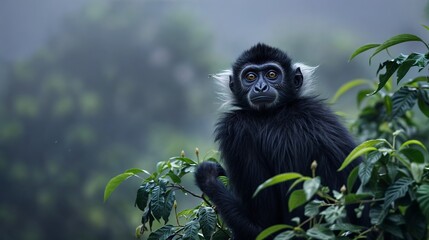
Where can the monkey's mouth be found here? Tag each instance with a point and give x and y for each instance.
(264, 99)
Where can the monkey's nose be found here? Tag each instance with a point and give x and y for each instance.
(261, 87)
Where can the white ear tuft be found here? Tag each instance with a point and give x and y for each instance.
(308, 83)
(224, 92)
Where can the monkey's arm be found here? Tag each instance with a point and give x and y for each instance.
(230, 208)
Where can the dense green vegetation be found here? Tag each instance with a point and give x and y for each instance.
(394, 176)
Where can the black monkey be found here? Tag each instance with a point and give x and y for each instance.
(275, 126)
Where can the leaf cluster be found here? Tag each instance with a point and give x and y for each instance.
(393, 96)
(156, 198)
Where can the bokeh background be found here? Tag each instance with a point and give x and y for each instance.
(90, 88)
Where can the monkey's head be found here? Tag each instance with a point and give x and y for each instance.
(264, 77)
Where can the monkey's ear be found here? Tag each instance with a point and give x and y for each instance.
(231, 83)
(298, 78)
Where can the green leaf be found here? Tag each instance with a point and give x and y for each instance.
(312, 208)
(347, 86)
(362, 94)
(296, 199)
(187, 213)
(423, 93)
(346, 227)
(174, 177)
(424, 107)
(161, 166)
(139, 231)
(374, 157)
(403, 159)
(403, 100)
(421, 60)
(412, 60)
(397, 190)
(296, 220)
(277, 179)
(207, 218)
(355, 154)
(310, 187)
(413, 155)
(417, 171)
(148, 217)
(409, 142)
(271, 230)
(162, 234)
(365, 171)
(391, 66)
(423, 101)
(114, 183)
(185, 160)
(403, 69)
(401, 38)
(285, 235)
(392, 170)
(362, 49)
(333, 213)
(366, 166)
(363, 148)
(423, 199)
(355, 198)
(388, 104)
(351, 179)
(169, 202)
(426, 27)
(419, 79)
(337, 195)
(186, 170)
(296, 182)
(190, 231)
(137, 170)
(320, 232)
(143, 196)
(157, 202)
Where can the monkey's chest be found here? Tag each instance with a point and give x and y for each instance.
(276, 147)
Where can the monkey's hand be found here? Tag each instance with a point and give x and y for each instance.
(206, 177)
(234, 213)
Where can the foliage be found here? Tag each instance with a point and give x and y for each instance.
(393, 177)
(156, 199)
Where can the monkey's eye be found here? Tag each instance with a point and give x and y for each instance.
(271, 75)
(251, 76)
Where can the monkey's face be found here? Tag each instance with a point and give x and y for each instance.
(264, 77)
(267, 85)
(261, 83)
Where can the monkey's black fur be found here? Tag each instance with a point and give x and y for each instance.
(257, 144)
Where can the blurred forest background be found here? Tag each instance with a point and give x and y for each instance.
(90, 88)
